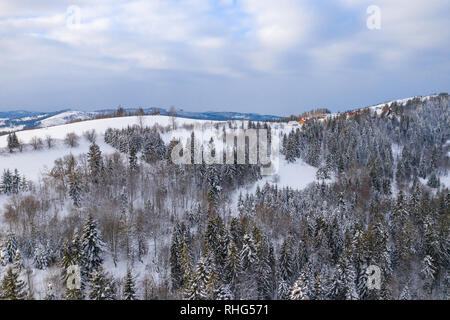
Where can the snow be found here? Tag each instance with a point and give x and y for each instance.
(445, 180)
(62, 118)
(15, 128)
(32, 163)
(99, 125)
(297, 175)
(378, 109)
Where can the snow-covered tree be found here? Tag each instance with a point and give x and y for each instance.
(129, 289)
(12, 287)
(91, 246)
(101, 286)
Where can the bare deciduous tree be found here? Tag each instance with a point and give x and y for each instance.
(36, 143)
(49, 141)
(90, 135)
(71, 140)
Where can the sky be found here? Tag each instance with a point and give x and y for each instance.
(277, 57)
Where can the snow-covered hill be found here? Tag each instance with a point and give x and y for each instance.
(65, 117)
(33, 162)
(284, 210)
(378, 109)
(19, 120)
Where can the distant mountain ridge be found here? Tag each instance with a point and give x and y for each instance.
(21, 119)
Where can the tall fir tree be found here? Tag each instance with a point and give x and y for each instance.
(129, 289)
(91, 247)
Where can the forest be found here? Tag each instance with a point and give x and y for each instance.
(140, 227)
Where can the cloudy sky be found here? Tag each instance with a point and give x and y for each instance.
(266, 56)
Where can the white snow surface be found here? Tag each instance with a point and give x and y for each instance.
(62, 118)
(100, 126)
(32, 163)
(297, 175)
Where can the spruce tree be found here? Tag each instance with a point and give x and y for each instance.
(12, 287)
(91, 246)
(9, 248)
(298, 291)
(75, 189)
(40, 257)
(129, 290)
(101, 285)
(196, 286)
(95, 162)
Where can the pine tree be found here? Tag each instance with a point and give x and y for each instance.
(433, 181)
(343, 285)
(248, 255)
(298, 291)
(176, 269)
(264, 270)
(50, 294)
(232, 267)
(13, 142)
(196, 287)
(95, 162)
(428, 271)
(249, 262)
(241, 207)
(286, 267)
(91, 246)
(405, 294)
(18, 263)
(71, 253)
(319, 289)
(6, 183)
(186, 260)
(224, 293)
(129, 290)
(12, 288)
(132, 160)
(72, 256)
(101, 286)
(41, 260)
(214, 187)
(75, 189)
(283, 290)
(9, 249)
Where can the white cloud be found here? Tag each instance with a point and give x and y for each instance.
(277, 27)
(229, 38)
(279, 24)
(409, 29)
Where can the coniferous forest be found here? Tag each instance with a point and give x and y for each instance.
(140, 227)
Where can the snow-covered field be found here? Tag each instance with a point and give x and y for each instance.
(295, 175)
(99, 125)
(32, 163)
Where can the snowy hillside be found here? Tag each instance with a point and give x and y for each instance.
(44, 159)
(65, 117)
(35, 164)
(19, 120)
(119, 204)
